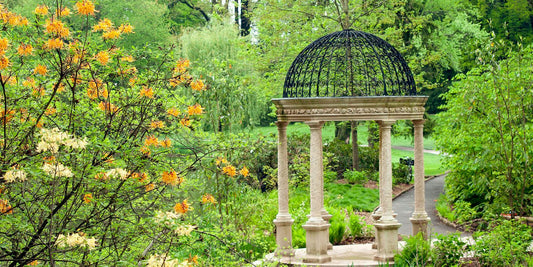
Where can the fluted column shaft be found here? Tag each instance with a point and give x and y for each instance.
(316, 175)
(419, 219)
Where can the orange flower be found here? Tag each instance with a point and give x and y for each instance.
(57, 27)
(50, 111)
(6, 117)
(173, 112)
(63, 12)
(149, 187)
(197, 85)
(145, 150)
(4, 62)
(229, 170)
(192, 259)
(171, 178)
(87, 198)
(25, 50)
(208, 198)
(85, 7)
(40, 69)
(126, 28)
(182, 65)
(102, 57)
(29, 82)
(54, 44)
(165, 143)
(101, 176)
(132, 81)
(185, 122)
(34, 263)
(127, 59)
(113, 34)
(151, 141)
(220, 160)
(107, 107)
(182, 208)
(5, 208)
(103, 25)
(244, 171)
(41, 10)
(194, 110)
(4, 44)
(147, 92)
(39, 91)
(157, 124)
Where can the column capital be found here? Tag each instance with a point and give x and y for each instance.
(386, 123)
(315, 124)
(418, 123)
(282, 124)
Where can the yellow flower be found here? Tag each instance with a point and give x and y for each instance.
(34, 263)
(29, 82)
(194, 110)
(25, 50)
(244, 171)
(41, 10)
(229, 170)
(126, 28)
(145, 150)
(87, 198)
(147, 92)
(173, 112)
(197, 85)
(182, 65)
(208, 198)
(85, 7)
(113, 34)
(171, 178)
(54, 44)
(40, 69)
(103, 25)
(157, 124)
(182, 208)
(132, 81)
(4, 62)
(107, 107)
(39, 91)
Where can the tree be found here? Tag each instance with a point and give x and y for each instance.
(86, 140)
(486, 130)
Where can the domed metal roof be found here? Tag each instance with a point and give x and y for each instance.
(349, 63)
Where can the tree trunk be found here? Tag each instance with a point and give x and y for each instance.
(373, 133)
(355, 147)
(342, 131)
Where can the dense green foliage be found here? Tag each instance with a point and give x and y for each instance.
(486, 130)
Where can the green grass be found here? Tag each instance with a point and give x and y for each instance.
(355, 196)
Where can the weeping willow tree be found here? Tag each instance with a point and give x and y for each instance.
(217, 54)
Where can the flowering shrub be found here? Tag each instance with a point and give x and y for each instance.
(88, 142)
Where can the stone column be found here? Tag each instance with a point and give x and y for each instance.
(420, 218)
(387, 226)
(283, 220)
(317, 230)
(379, 211)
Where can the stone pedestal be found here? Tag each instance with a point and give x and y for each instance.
(284, 236)
(317, 231)
(387, 237)
(420, 225)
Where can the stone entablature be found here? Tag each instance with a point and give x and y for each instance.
(350, 108)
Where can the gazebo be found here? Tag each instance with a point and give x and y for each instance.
(348, 76)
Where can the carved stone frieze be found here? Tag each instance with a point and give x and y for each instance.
(354, 111)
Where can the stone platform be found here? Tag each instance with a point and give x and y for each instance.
(349, 255)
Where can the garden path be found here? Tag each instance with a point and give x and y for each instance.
(404, 206)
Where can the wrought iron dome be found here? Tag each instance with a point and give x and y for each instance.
(349, 63)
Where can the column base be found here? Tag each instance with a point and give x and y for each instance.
(316, 240)
(284, 236)
(419, 223)
(387, 239)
